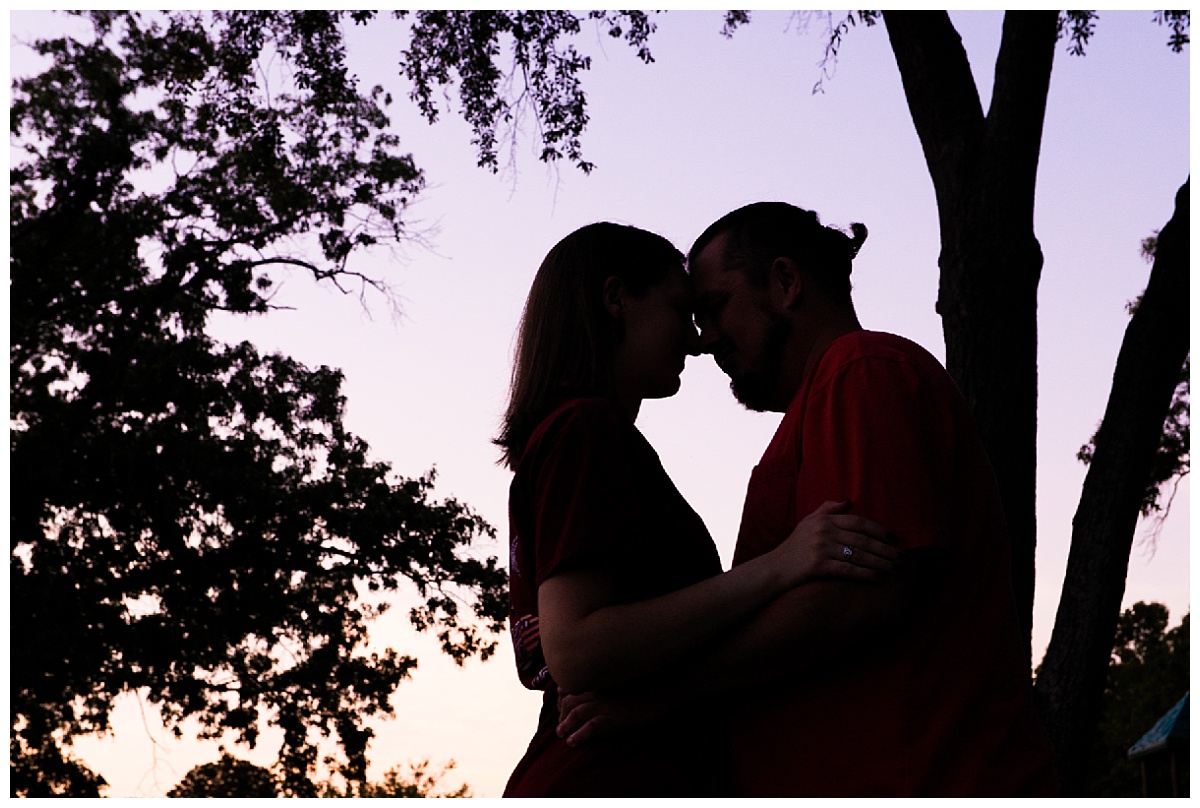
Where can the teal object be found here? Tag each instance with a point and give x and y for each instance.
(1171, 732)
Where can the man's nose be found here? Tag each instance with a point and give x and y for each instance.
(707, 340)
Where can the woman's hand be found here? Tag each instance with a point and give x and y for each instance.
(829, 543)
(584, 716)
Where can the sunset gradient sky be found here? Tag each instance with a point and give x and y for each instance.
(712, 125)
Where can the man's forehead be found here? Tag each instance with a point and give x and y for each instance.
(708, 268)
(710, 271)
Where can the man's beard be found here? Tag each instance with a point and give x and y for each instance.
(755, 388)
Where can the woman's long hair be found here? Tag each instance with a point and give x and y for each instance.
(566, 340)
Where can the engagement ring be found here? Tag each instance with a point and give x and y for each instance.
(847, 552)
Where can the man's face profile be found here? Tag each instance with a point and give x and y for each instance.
(738, 326)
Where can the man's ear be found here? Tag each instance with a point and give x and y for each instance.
(785, 282)
(614, 297)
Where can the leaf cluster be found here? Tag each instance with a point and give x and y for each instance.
(224, 778)
(191, 520)
(544, 77)
(1077, 28)
(1180, 23)
(1173, 458)
(49, 772)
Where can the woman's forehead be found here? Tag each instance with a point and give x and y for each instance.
(677, 283)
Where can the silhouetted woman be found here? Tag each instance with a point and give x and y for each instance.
(612, 575)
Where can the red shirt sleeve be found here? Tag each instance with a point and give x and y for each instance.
(580, 491)
(873, 433)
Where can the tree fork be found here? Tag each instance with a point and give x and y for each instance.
(1071, 684)
(984, 171)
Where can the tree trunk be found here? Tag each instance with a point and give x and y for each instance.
(1070, 686)
(984, 171)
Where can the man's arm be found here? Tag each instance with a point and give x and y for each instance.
(877, 429)
(807, 628)
(811, 626)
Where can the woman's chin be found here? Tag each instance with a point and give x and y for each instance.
(668, 389)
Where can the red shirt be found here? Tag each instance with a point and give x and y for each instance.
(590, 492)
(944, 706)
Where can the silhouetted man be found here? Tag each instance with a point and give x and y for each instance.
(917, 686)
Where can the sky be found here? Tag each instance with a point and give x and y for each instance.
(711, 125)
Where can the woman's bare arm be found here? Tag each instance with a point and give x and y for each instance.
(590, 643)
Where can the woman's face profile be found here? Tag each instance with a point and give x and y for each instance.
(658, 336)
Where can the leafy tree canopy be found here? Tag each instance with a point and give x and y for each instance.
(191, 520)
(232, 777)
(227, 777)
(548, 67)
(1148, 674)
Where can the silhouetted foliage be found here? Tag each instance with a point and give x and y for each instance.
(1173, 460)
(191, 520)
(231, 777)
(1078, 27)
(418, 781)
(47, 772)
(227, 777)
(1148, 674)
(1180, 23)
(546, 70)
(733, 21)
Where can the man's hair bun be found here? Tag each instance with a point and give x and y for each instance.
(859, 231)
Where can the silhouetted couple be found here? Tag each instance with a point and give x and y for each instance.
(865, 642)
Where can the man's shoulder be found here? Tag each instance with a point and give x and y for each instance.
(877, 345)
(876, 369)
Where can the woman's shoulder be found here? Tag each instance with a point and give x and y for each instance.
(591, 407)
(581, 414)
(591, 432)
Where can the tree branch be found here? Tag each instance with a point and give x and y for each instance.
(1013, 137)
(1071, 685)
(941, 96)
